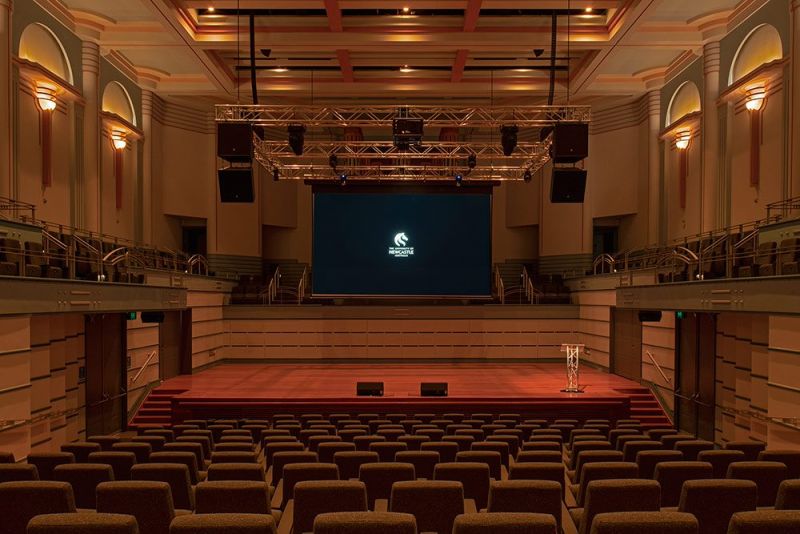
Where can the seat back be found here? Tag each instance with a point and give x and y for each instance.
(271, 449)
(505, 523)
(387, 449)
(349, 463)
(312, 498)
(83, 523)
(714, 501)
(632, 448)
(765, 522)
(647, 460)
(46, 462)
(720, 460)
(526, 496)
(539, 456)
(295, 473)
(176, 475)
(499, 447)
(649, 522)
(18, 473)
(121, 462)
(751, 449)
(21, 501)
(233, 471)
(691, 448)
(620, 495)
(282, 459)
(447, 450)
(474, 477)
(672, 475)
(767, 475)
(84, 479)
(379, 478)
(232, 497)
(223, 523)
(789, 457)
(176, 457)
(140, 450)
(434, 503)
(325, 451)
(591, 457)
(538, 471)
(604, 471)
(237, 457)
(365, 523)
(423, 461)
(81, 450)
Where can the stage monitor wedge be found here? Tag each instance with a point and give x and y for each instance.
(235, 142)
(369, 389)
(433, 389)
(570, 142)
(568, 185)
(236, 184)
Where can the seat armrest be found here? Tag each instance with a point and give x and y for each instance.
(287, 519)
(381, 505)
(470, 507)
(567, 524)
(277, 497)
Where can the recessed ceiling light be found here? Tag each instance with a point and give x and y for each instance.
(406, 9)
(588, 10)
(210, 9)
(280, 69)
(406, 68)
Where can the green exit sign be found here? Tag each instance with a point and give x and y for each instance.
(679, 315)
(131, 316)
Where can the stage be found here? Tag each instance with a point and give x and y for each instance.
(531, 389)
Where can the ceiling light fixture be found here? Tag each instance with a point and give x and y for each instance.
(406, 69)
(280, 69)
(406, 9)
(588, 10)
(682, 140)
(46, 96)
(210, 9)
(755, 98)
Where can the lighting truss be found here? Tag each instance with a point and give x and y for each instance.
(382, 160)
(433, 116)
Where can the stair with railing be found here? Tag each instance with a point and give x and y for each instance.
(156, 410)
(646, 408)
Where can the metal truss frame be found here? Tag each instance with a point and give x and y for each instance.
(435, 116)
(381, 160)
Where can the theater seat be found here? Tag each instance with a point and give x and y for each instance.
(526, 496)
(18, 473)
(765, 522)
(312, 498)
(223, 524)
(714, 501)
(83, 523)
(379, 478)
(434, 503)
(621, 495)
(505, 523)
(21, 501)
(84, 479)
(645, 522)
(365, 523)
(149, 502)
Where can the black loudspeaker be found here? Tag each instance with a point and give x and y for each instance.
(236, 184)
(433, 389)
(649, 316)
(235, 141)
(570, 142)
(369, 389)
(568, 185)
(152, 317)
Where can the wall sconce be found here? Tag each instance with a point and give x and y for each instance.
(682, 140)
(46, 96)
(118, 139)
(755, 98)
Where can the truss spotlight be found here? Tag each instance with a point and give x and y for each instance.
(508, 138)
(527, 175)
(472, 161)
(343, 179)
(297, 138)
(538, 52)
(276, 174)
(333, 161)
(459, 179)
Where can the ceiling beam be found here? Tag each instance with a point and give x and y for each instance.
(334, 15)
(345, 64)
(471, 14)
(458, 65)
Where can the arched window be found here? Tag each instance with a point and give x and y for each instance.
(116, 100)
(39, 44)
(762, 45)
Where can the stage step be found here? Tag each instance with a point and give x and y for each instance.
(156, 409)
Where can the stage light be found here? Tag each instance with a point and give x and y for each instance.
(333, 161)
(755, 98)
(508, 138)
(297, 138)
(527, 176)
(343, 179)
(472, 161)
(46, 96)
(682, 140)
(459, 179)
(118, 139)
(276, 174)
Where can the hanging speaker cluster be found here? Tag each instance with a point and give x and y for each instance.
(570, 145)
(235, 147)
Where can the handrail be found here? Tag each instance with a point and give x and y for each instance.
(301, 286)
(53, 239)
(658, 367)
(604, 259)
(113, 252)
(143, 368)
(272, 288)
(199, 260)
(499, 285)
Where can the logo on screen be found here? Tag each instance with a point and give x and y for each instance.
(401, 250)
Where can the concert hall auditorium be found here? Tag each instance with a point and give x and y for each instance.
(400, 267)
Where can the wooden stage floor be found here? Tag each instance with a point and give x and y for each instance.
(250, 390)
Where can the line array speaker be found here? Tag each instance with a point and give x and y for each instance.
(568, 185)
(236, 184)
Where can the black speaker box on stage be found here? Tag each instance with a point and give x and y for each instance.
(236, 184)
(570, 142)
(568, 185)
(152, 317)
(433, 389)
(649, 316)
(369, 389)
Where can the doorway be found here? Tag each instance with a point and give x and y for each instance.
(195, 240)
(106, 347)
(626, 343)
(175, 344)
(696, 335)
